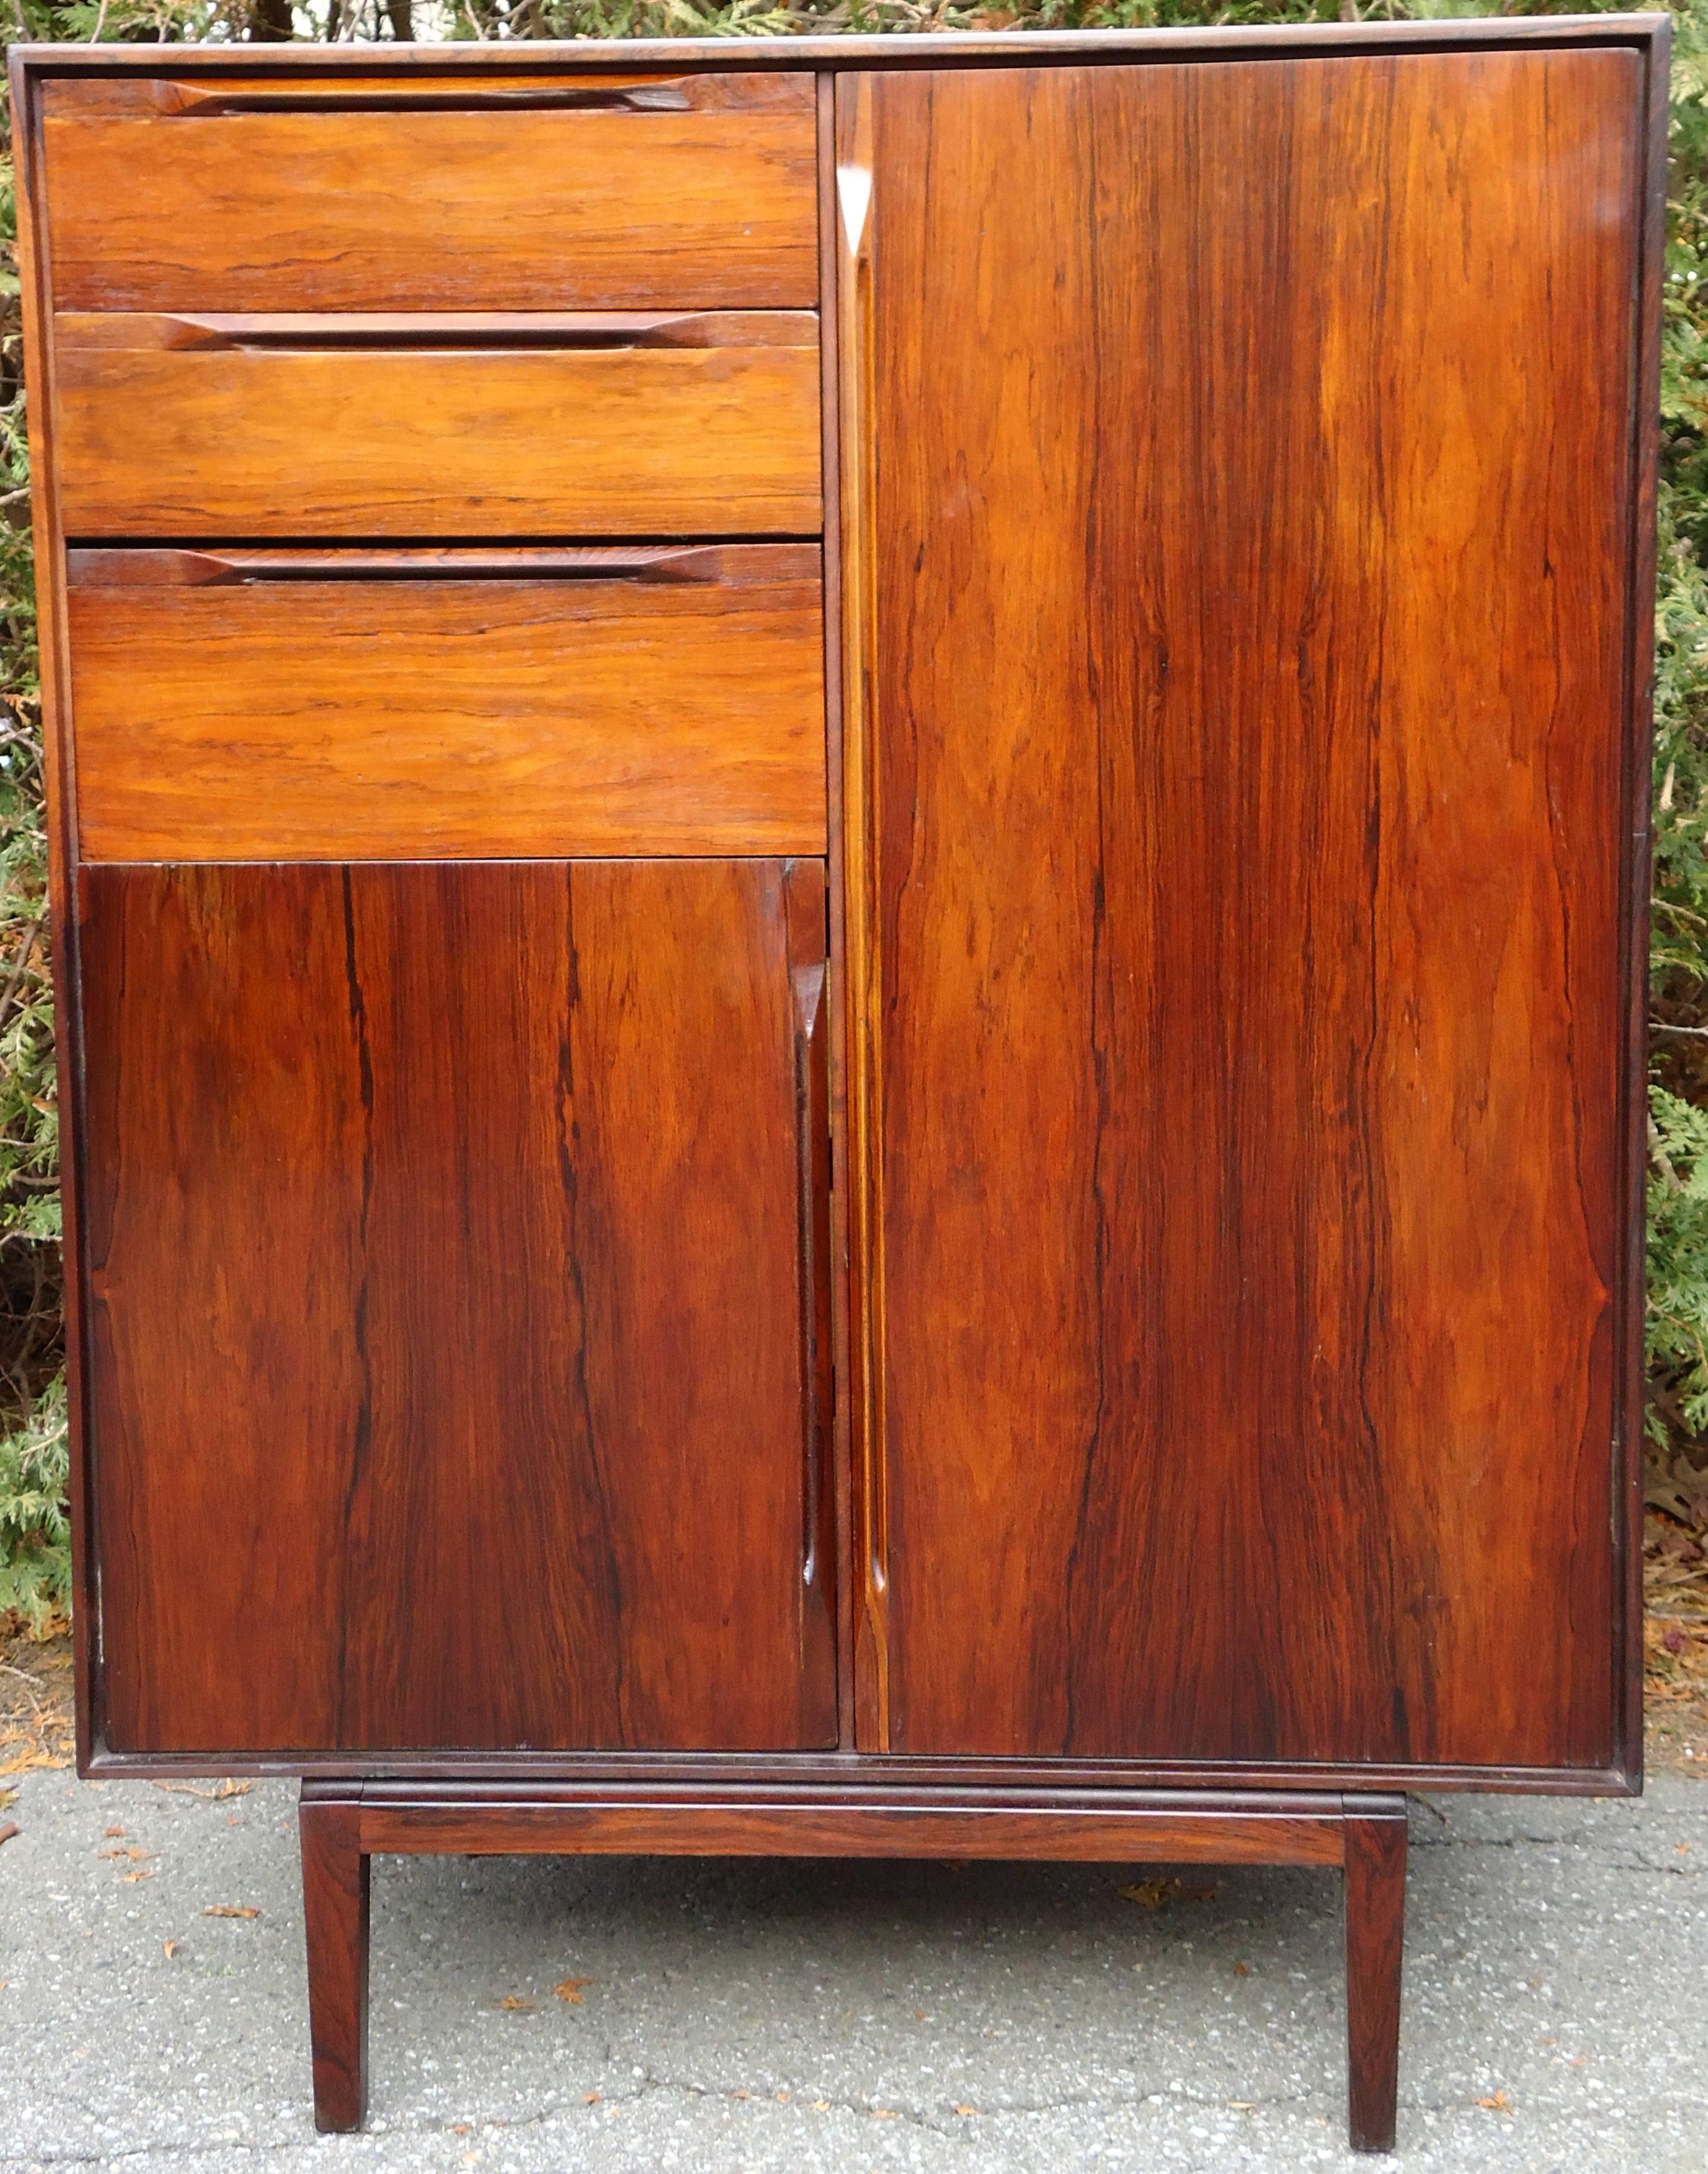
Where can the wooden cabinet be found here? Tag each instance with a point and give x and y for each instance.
(878, 935)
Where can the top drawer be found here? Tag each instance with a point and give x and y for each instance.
(393, 193)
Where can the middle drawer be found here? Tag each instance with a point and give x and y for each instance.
(602, 425)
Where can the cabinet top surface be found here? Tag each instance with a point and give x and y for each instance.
(942, 49)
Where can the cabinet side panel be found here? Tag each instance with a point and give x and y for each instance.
(446, 1320)
(36, 294)
(1251, 558)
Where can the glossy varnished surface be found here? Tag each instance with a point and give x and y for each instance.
(445, 1317)
(1249, 729)
(706, 202)
(327, 426)
(350, 705)
(343, 1822)
(240, 89)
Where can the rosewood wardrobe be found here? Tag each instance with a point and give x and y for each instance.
(850, 871)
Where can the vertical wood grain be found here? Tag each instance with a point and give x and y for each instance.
(852, 181)
(807, 905)
(335, 1907)
(1251, 533)
(444, 1259)
(1374, 1885)
(842, 1294)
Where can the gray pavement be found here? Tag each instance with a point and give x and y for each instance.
(849, 2017)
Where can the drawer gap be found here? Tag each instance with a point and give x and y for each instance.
(173, 566)
(456, 331)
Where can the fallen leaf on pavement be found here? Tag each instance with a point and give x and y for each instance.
(590, 2098)
(134, 1877)
(10, 1829)
(26, 1761)
(570, 1989)
(1157, 1893)
(113, 1834)
(230, 1910)
(513, 2001)
(1496, 2105)
(966, 2109)
(1242, 1970)
(169, 1947)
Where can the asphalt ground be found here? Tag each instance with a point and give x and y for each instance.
(546, 2013)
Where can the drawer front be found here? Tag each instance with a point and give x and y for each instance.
(694, 193)
(358, 705)
(540, 425)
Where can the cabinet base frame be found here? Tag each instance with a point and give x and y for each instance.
(344, 1824)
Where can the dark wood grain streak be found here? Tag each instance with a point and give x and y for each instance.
(336, 1913)
(443, 1271)
(705, 208)
(1250, 698)
(1375, 1885)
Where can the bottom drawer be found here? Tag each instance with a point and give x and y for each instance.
(347, 705)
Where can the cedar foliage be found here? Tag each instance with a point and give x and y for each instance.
(34, 1567)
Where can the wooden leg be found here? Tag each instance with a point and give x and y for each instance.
(1375, 1920)
(335, 1909)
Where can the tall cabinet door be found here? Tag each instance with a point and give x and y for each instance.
(1243, 470)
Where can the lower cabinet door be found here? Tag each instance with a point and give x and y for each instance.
(447, 1301)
